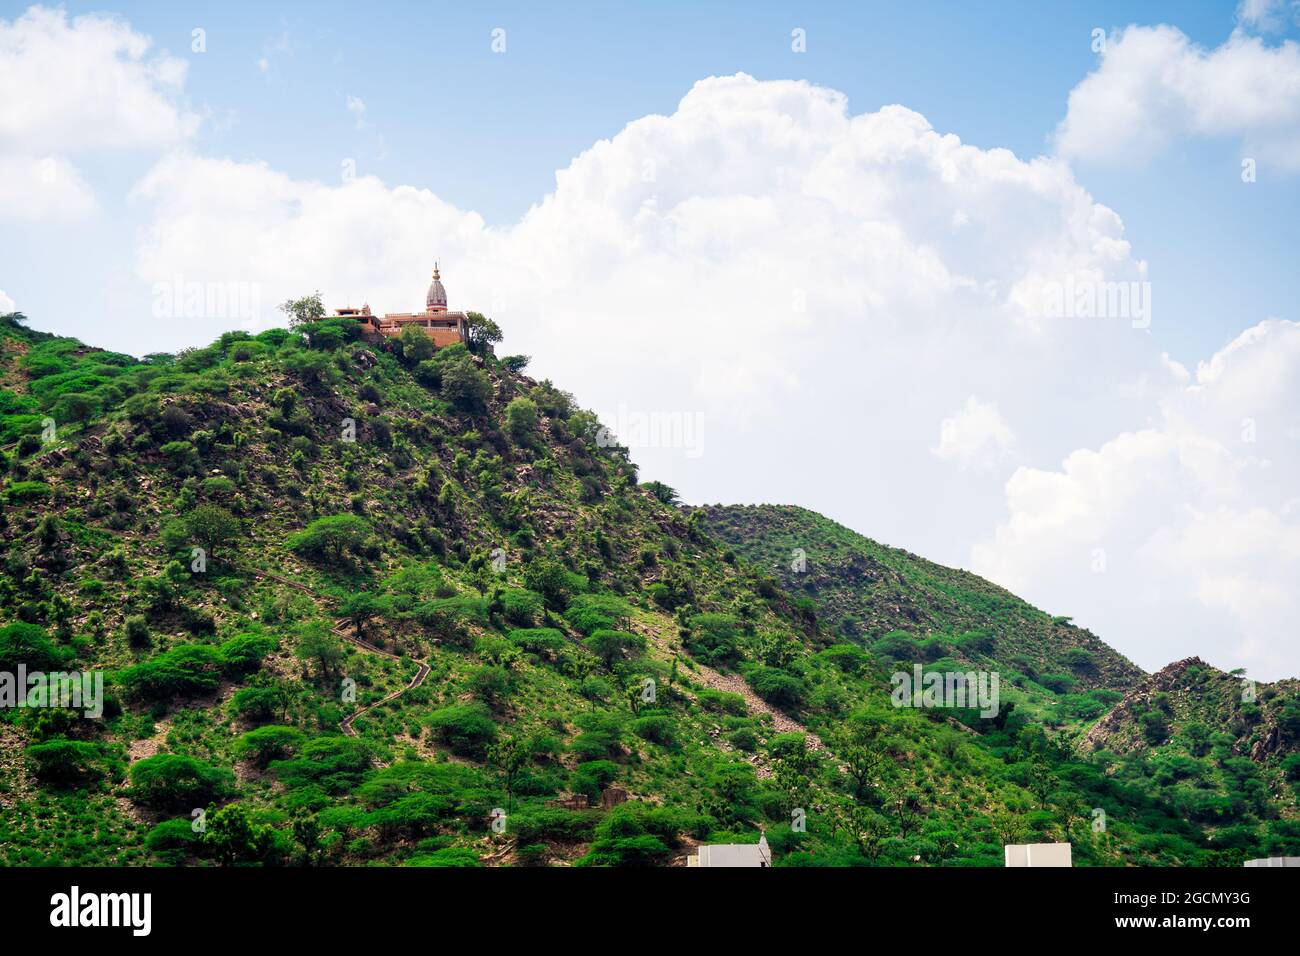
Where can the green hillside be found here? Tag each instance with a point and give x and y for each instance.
(907, 609)
(369, 604)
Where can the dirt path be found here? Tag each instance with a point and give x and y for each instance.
(345, 630)
(734, 684)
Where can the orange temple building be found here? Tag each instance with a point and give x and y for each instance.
(445, 328)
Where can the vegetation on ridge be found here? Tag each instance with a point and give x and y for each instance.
(265, 542)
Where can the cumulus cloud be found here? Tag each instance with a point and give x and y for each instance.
(1154, 85)
(1189, 530)
(6, 303)
(975, 436)
(74, 88)
(1267, 15)
(812, 289)
(85, 84)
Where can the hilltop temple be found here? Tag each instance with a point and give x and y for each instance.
(445, 328)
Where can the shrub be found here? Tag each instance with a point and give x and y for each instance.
(593, 776)
(635, 834)
(450, 856)
(187, 670)
(466, 728)
(174, 782)
(543, 641)
(492, 685)
(331, 538)
(21, 492)
(242, 654)
(1079, 659)
(172, 841)
(335, 764)
(259, 703)
(724, 702)
(415, 344)
(744, 739)
(548, 578)
(28, 644)
(589, 613)
(656, 728)
(521, 419)
(553, 823)
(521, 606)
(1060, 683)
(713, 638)
(613, 647)
(847, 657)
(787, 745)
(269, 743)
(65, 762)
(465, 386)
(601, 737)
(75, 407)
(897, 646)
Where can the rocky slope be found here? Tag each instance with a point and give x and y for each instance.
(359, 604)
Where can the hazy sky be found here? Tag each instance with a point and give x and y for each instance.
(864, 259)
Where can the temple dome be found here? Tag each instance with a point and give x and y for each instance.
(436, 300)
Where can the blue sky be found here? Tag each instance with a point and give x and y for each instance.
(676, 214)
(487, 131)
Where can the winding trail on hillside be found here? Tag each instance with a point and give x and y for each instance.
(344, 629)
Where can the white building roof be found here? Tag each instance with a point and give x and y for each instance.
(736, 854)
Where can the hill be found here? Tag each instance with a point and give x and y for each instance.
(1212, 744)
(905, 608)
(372, 604)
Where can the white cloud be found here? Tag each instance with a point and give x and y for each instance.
(44, 188)
(84, 85)
(6, 304)
(819, 289)
(1154, 85)
(78, 87)
(1196, 521)
(1267, 15)
(975, 436)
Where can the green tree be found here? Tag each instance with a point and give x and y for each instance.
(614, 646)
(466, 387)
(483, 332)
(510, 755)
(521, 419)
(416, 344)
(75, 407)
(210, 527)
(179, 783)
(316, 642)
(861, 748)
(307, 309)
(67, 762)
(331, 538)
(231, 836)
(362, 607)
(265, 744)
(306, 833)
